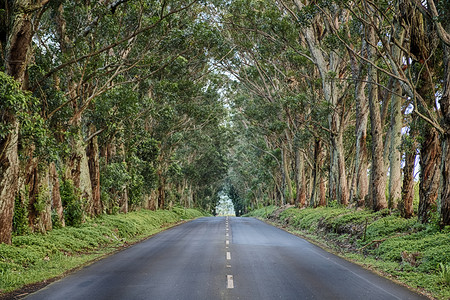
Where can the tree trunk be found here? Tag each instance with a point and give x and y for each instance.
(16, 61)
(445, 194)
(395, 175)
(92, 153)
(322, 193)
(341, 173)
(430, 161)
(378, 178)
(77, 170)
(123, 201)
(361, 166)
(56, 196)
(423, 48)
(316, 176)
(287, 177)
(445, 106)
(9, 171)
(406, 205)
(161, 193)
(34, 187)
(395, 188)
(30, 189)
(300, 182)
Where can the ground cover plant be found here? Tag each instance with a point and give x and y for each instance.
(38, 257)
(405, 250)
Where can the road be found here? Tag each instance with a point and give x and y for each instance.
(223, 258)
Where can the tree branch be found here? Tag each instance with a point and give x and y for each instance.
(123, 40)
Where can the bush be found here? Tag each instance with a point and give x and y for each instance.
(20, 218)
(444, 273)
(71, 201)
(262, 212)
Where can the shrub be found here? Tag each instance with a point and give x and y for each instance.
(444, 273)
(71, 201)
(20, 218)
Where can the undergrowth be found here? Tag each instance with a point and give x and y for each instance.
(37, 257)
(414, 253)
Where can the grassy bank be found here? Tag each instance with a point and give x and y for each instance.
(38, 257)
(404, 250)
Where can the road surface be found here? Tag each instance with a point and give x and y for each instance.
(223, 258)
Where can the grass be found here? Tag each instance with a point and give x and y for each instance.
(38, 257)
(262, 212)
(402, 249)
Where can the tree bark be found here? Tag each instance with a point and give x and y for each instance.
(430, 161)
(361, 165)
(287, 177)
(56, 196)
(406, 205)
(423, 47)
(395, 188)
(395, 175)
(161, 192)
(300, 182)
(17, 52)
(316, 174)
(9, 171)
(322, 192)
(77, 170)
(378, 178)
(445, 106)
(92, 152)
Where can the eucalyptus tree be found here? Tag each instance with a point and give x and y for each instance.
(435, 13)
(17, 30)
(123, 38)
(426, 60)
(412, 63)
(331, 64)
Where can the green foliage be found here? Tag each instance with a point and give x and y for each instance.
(56, 223)
(433, 247)
(264, 212)
(71, 201)
(12, 98)
(149, 149)
(115, 178)
(20, 105)
(20, 218)
(444, 273)
(388, 226)
(42, 199)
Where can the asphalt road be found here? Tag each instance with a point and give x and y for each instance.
(223, 258)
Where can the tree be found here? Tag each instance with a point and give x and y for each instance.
(443, 31)
(15, 39)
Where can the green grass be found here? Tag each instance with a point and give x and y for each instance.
(262, 212)
(402, 249)
(36, 257)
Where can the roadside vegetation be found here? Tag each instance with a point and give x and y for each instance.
(37, 257)
(404, 250)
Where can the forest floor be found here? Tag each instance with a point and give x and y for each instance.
(403, 250)
(35, 260)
